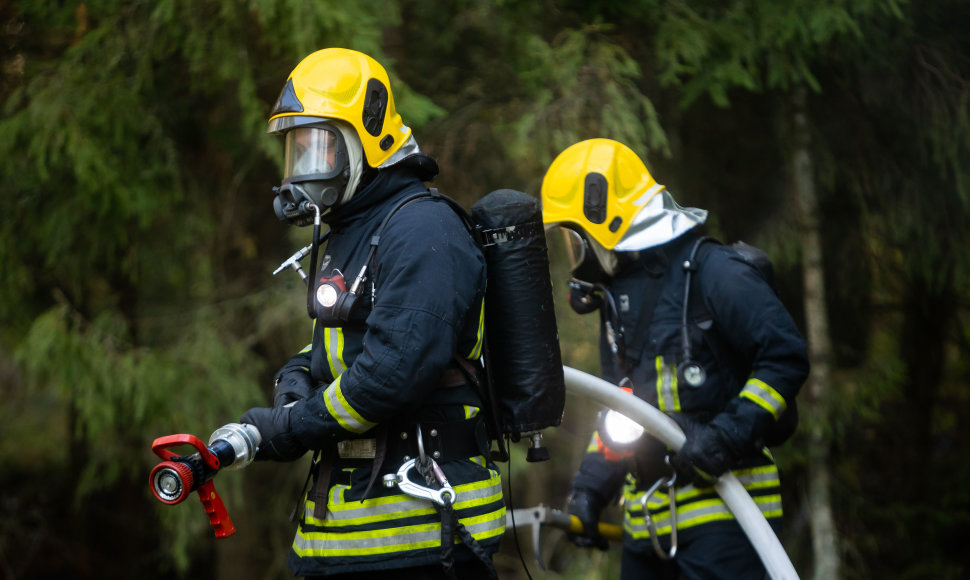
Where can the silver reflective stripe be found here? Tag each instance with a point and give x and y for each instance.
(342, 412)
(699, 512)
(761, 394)
(392, 540)
(339, 538)
(694, 514)
(334, 339)
(758, 477)
(344, 512)
(667, 398)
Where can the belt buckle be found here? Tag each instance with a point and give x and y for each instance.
(357, 449)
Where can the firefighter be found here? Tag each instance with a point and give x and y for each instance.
(396, 342)
(630, 248)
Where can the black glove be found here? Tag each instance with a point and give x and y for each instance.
(706, 453)
(587, 507)
(292, 386)
(278, 442)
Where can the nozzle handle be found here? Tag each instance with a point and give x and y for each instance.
(161, 447)
(216, 510)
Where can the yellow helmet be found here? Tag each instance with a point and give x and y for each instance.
(338, 83)
(598, 185)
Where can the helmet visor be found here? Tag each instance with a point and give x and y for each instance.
(588, 260)
(575, 248)
(313, 153)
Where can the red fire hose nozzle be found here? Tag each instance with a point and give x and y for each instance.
(231, 447)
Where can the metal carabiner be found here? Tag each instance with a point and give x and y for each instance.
(444, 497)
(667, 482)
(421, 455)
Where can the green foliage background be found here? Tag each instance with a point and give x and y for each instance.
(137, 240)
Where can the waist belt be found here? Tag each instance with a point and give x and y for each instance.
(443, 441)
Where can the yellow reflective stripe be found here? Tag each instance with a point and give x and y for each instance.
(334, 340)
(758, 477)
(594, 445)
(698, 512)
(340, 409)
(751, 478)
(759, 393)
(343, 513)
(695, 514)
(477, 349)
(667, 397)
(393, 540)
(308, 347)
(470, 411)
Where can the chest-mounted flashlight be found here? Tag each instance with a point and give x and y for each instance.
(333, 301)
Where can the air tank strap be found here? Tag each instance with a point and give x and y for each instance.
(490, 237)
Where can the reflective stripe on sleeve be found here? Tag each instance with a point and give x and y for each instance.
(334, 339)
(477, 349)
(761, 394)
(667, 397)
(340, 409)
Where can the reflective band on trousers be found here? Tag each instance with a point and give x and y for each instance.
(694, 512)
(354, 528)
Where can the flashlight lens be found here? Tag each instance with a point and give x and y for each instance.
(621, 429)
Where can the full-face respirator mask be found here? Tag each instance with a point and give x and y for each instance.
(322, 169)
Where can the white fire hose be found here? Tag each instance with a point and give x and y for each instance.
(737, 499)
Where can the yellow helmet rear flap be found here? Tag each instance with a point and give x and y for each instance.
(338, 83)
(598, 185)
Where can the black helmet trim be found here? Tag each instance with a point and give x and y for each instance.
(595, 191)
(375, 107)
(287, 101)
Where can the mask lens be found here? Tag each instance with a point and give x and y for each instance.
(575, 248)
(312, 151)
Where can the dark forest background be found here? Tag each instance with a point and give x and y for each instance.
(137, 241)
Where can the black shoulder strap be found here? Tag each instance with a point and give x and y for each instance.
(432, 193)
(693, 300)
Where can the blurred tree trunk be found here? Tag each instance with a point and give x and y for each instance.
(827, 563)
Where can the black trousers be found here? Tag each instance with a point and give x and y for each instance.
(713, 552)
(473, 570)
